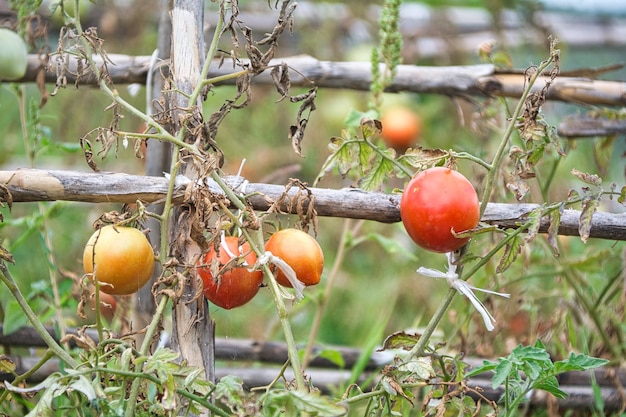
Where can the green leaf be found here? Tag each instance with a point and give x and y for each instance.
(551, 385)
(376, 176)
(365, 156)
(14, 318)
(487, 366)
(353, 119)
(290, 403)
(578, 362)
(229, 390)
(512, 249)
(502, 371)
(332, 355)
(622, 195)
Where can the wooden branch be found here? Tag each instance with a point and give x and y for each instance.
(40, 185)
(585, 126)
(479, 80)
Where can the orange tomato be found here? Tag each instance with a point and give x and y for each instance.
(120, 258)
(401, 127)
(301, 252)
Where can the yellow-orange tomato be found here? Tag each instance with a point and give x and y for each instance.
(301, 252)
(233, 287)
(120, 258)
(401, 127)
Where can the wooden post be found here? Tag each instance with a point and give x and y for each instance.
(192, 329)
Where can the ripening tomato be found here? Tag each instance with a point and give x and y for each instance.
(435, 202)
(301, 252)
(13, 55)
(233, 287)
(122, 258)
(108, 305)
(401, 127)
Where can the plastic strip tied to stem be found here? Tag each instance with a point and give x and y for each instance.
(464, 288)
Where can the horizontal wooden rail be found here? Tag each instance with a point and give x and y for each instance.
(305, 71)
(26, 185)
(236, 354)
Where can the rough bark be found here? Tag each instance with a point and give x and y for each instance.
(192, 327)
(477, 80)
(40, 185)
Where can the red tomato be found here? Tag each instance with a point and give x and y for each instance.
(301, 252)
(401, 128)
(123, 258)
(435, 202)
(233, 287)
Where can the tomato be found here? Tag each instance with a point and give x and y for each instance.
(301, 252)
(13, 55)
(108, 305)
(232, 287)
(401, 128)
(435, 202)
(123, 258)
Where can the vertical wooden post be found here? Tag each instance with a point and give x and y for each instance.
(192, 331)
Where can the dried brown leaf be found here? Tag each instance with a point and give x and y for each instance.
(589, 207)
(587, 178)
(553, 229)
(5, 255)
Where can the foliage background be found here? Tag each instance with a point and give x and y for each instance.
(377, 291)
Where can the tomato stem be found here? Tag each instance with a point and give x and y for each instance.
(256, 244)
(500, 152)
(7, 279)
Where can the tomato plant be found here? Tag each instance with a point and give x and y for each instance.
(401, 127)
(301, 252)
(436, 202)
(229, 285)
(13, 55)
(120, 258)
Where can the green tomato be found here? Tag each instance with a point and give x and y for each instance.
(13, 56)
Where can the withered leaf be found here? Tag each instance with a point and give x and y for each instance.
(534, 220)
(589, 207)
(587, 178)
(553, 229)
(512, 249)
(6, 255)
(400, 340)
(7, 366)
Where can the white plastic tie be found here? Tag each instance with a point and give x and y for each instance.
(297, 285)
(464, 288)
